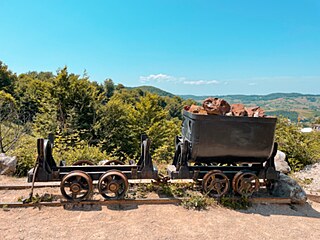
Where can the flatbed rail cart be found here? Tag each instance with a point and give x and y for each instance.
(77, 181)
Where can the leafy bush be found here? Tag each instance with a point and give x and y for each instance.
(301, 148)
(235, 203)
(84, 152)
(198, 201)
(70, 148)
(26, 153)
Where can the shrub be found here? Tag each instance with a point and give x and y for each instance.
(298, 146)
(235, 203)
(84, 152)
(26, 153)
(198, 201)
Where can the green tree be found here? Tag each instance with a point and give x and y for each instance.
(109, 87)
(115, 129)
(7, 78)
(153, 120)
(11, 127)
(32, 90)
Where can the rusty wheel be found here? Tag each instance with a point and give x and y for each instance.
(76, 185)
(82, 163)
(113, 185)
(215, 183)
(114, 162)
(245, 183)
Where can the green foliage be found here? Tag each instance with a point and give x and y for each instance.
(115, 129)
(7, 79)
(84, 152)
(153, 120)
(109, 88)
(32, 91)
(235, 203)
(292, 115)
(70, 147)
(38, 198)
(155, 90)
(197, 201)
(176, 190)
(11, 127)
(26, 153)
(299, 147)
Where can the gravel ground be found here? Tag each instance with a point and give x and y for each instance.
(162, 222)
(309, 178)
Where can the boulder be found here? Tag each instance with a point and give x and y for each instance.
(280, 162)
(287, 187)
(7, 164)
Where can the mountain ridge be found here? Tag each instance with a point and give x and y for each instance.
(295, 106)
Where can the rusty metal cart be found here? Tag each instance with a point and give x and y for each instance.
(226, 153)
(77, 181)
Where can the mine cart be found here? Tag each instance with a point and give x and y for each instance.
(77, 180)
(226, 153)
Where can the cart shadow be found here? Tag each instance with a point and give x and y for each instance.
(295, 210)
(122, 207)
(82, 207)
(98, 207)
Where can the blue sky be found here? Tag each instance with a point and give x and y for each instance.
(185, 47)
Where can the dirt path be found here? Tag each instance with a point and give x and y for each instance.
(162, 222)
(156, 221)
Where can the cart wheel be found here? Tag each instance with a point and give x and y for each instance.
(114, 162)
(215, 183)
(82, 163)
(245, 183)
(113, 185)
(76, 185)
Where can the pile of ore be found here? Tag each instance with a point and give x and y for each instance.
(218, 106)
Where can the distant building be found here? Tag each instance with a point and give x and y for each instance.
(306, 130)
(316, 127)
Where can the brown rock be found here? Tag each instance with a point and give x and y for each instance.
(216, 106)
(197, 109)
(238, 109)
(255, 112)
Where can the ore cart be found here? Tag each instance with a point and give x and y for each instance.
(77, 180)
(226, 153)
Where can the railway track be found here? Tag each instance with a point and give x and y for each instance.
(156, 201)
(151, 201)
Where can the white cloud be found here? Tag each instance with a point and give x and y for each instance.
(160, 77)
(201, 82)
(157, 77)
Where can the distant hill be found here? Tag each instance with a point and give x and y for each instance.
(295, 106)
(271, 96)
(155, 90)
